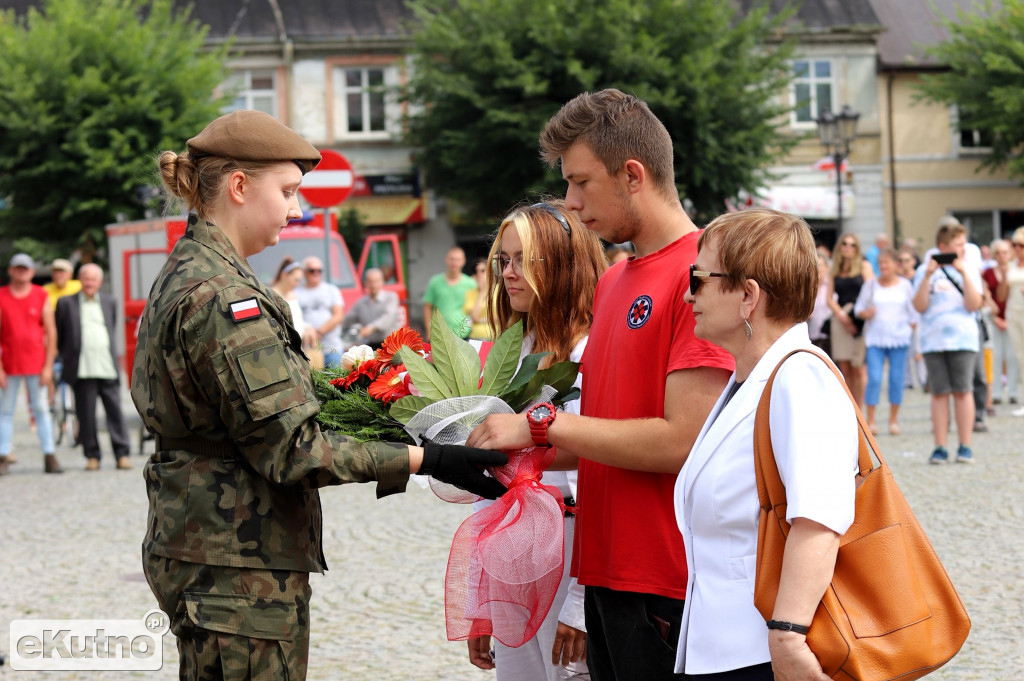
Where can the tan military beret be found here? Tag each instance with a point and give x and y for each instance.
(253, 136)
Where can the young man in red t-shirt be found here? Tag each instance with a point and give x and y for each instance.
(648, 385)
(28, 344)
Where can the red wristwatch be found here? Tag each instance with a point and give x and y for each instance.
(540, 416)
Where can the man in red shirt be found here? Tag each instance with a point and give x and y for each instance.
(28, 344)
(648, 385)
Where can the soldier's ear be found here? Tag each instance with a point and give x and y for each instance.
(238, 187)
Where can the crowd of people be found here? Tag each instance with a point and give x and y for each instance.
(677, 329)
(56, 335)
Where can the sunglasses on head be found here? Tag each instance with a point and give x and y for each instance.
(697, 278)
(556, 214)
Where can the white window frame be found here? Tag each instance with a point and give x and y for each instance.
(342, 91)
(812, 81)
(246, 95)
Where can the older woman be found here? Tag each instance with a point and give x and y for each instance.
(752, 286)
(1011, 291)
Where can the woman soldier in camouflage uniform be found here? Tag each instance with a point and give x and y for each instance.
(234, 522)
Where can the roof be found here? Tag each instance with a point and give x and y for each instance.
(302, 21)
(911, 25)
(820, 16)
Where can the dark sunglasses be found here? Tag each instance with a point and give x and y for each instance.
(314, 270)
(697, 278)
(556, 214)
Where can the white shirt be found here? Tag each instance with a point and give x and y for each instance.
(814, 436)
(891, 327)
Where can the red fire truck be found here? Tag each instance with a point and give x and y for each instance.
(138, 250)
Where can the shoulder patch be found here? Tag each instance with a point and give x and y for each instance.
(639, 312)
(245, 309)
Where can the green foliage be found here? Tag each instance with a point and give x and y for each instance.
(90, 93)
(985, 53)
(357, 415)
(490, 73)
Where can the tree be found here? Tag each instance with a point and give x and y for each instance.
(90, 92)
(488, 74)
(985, 80)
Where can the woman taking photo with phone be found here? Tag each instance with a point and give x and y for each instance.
(544, 269)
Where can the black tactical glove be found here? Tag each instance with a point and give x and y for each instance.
(463, 467)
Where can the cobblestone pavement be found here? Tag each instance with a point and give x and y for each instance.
(70, 549)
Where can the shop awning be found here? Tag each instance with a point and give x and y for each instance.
(388, 210)
(812, 202)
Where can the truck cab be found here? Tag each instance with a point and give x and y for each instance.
(139, 249)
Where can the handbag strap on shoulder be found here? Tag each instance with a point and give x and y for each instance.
(770, 490)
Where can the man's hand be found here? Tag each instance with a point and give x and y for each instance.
(463, 467)
(480, 652)
(570, 645)
(507, 432)
(365, 331)
(46, 378)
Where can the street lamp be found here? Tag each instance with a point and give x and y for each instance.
(836, 133)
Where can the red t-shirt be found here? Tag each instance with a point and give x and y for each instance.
(992, 282)
(22, 339)
(626, 534)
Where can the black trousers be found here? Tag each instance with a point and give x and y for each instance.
(631, 636)
(109, 392)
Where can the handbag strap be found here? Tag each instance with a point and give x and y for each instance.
(770, 490)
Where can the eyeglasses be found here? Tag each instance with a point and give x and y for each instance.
(697, 278)
(556, 214)
(848, 243)
(500, 262)
(313, 270)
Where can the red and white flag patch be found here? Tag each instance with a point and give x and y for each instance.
(245, 309)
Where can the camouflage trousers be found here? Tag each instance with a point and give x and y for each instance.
(234, 624)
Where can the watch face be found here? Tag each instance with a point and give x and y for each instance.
(540, 413)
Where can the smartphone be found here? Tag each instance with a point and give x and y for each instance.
(944, 258)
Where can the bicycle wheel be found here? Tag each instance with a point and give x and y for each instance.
(57, 416)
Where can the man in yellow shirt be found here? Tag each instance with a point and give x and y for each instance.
(62, 284)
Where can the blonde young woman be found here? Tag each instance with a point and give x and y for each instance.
(849, 272)
(544, 269)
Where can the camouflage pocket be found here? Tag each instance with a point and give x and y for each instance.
(267, 377)
(243, 615)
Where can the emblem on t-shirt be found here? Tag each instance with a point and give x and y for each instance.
(639, 312)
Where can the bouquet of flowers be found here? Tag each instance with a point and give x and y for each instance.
(507, 559)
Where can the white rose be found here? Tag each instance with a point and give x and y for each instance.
(354, 355)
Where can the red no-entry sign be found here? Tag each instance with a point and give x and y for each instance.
(330, 182)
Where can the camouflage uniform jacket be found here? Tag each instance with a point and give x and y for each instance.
(205, 367)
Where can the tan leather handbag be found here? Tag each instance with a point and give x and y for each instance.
(890, 611)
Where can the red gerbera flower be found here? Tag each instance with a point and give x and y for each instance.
(389, 386)
(370, 369)
(394, 342)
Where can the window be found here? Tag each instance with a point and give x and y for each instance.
(253, 90)
(975, 140)
(813, 86)
(364, 100)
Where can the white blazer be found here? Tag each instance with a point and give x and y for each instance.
(814, 434)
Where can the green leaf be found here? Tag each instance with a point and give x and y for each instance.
(502, 360)
(407, 407)
(454, 359)
(526, 393)
(425, 377)
(573, 394)
(561, 376)
(527, 370)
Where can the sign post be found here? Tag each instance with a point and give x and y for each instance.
(327, 185)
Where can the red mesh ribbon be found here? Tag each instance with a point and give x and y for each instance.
(506, 560)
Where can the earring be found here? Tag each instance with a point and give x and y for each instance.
(748, 329)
